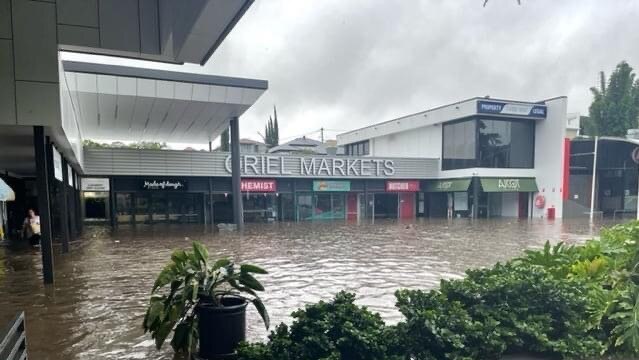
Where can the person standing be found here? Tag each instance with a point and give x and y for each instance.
(31, 228)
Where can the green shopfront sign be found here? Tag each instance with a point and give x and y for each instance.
(509, 185)
(331, 185)
(447, 185)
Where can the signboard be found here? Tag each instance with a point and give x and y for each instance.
(261, 165)
(402, 186)
(509, 185)
(448, 185)
(57, 164)
(70, 175)
(331, 185)
(169, 184)
(504, 108)
(258, 185)
(95, 184)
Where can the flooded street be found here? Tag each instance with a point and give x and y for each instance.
(96, 307)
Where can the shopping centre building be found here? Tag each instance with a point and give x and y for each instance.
(509, 155)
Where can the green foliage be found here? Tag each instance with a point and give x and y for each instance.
(191, 279)
(328, 331)
(509, 308)
(117, 144)
(271, 130)
(615, 106)
(225, 144)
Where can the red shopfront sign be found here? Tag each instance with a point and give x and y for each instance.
(402, 186)
(258, 185)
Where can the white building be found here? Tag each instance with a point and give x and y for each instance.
(510, 155)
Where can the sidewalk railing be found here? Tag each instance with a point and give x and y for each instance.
(13, 340)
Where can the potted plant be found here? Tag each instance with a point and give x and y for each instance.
(203, 301)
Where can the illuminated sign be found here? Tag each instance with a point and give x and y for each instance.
(402, 186)
(258, 185)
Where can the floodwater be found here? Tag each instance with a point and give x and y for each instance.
(96, 307)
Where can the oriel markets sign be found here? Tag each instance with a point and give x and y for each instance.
(265, 165)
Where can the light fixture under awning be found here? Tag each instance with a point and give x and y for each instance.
(6, 193)
(509, 185)
(448, 185)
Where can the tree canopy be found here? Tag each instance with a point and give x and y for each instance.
(615, 105)
(271, 130)
(118, 144)
(225, 141)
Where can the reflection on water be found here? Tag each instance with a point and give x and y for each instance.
(95, 309)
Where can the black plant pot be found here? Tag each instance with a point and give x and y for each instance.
(221, 328)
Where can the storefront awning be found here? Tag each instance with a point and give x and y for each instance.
(6, 194)
(447, 185)
(509, 185)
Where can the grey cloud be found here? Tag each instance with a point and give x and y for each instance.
(346, 64)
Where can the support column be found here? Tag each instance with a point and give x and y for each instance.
(475, 197)
(112, 205)
(64, 209)
(238, 213)
(44, 204)
(210, 196)
(73, 207)
(78, 202)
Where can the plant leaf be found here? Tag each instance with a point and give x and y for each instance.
(248, 268)
(261, 309)
(251, 282)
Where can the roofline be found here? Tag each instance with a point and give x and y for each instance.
(166, 75)
(447, 105)
(227, 30)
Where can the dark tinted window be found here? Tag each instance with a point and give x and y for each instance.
(506, 143)
(358, 149)
(459, 150)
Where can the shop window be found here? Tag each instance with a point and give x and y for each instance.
(124, 207)
(488, 143)
(358, 149)
(506, 143)
(459, 145)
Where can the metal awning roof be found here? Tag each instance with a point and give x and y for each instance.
(136, 104)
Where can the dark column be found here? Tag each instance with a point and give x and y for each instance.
(238, 214)
(475, 197)
(210, 196)
(80, 220)
(64, 209)
(73, 207)
(112, 204)
(44, 205)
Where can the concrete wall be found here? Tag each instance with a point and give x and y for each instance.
(549, 155)
(425, 141)
(28, 63)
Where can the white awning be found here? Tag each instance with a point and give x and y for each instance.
(6, 193)
(136, 104)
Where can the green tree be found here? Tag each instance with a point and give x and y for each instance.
(224, 141)
(615, 105)
(271, 130)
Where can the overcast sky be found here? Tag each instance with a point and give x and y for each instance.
(346, 64)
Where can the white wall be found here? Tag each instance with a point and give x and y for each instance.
(411, 122)
(425, 142)
(549, 154)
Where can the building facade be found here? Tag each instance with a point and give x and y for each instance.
(49, 105)
(129, 186)
(497, 157)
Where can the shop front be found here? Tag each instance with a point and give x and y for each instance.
(506, 197)
(159, 200)
(448, 197)
(260, 200)
(327, 201)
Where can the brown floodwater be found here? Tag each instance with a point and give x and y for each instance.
(95, 308)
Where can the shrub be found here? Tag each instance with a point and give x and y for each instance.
(333, 330)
